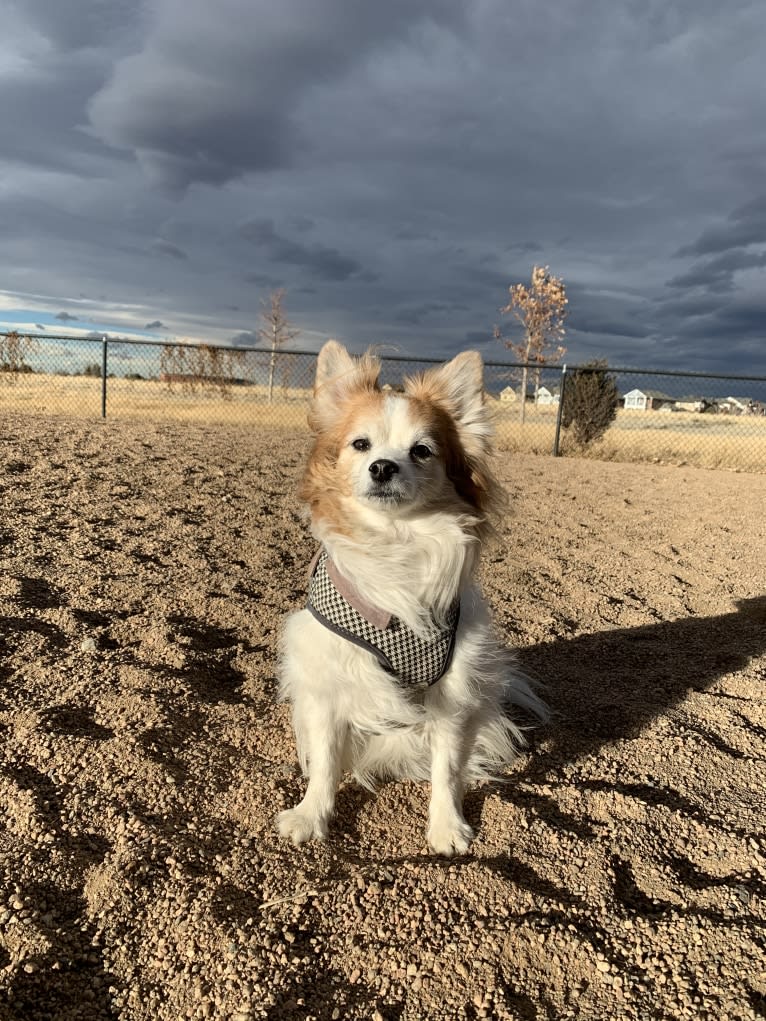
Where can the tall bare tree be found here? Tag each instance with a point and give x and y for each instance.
(541, 309)
(276, 330)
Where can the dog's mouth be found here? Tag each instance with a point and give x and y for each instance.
(387, 493)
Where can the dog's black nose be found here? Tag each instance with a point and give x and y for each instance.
(383, 471)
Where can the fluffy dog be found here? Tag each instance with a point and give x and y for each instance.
(392, 670)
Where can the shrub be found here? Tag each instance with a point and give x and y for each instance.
(590, 402)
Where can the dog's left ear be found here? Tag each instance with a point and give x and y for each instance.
(458, 387)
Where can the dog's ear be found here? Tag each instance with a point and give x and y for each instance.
(345, 372)
(340, 376)
(458, 387)
(332, 361)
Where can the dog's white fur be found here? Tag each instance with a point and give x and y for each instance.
(409, 543)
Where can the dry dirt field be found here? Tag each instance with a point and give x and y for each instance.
(619, 873)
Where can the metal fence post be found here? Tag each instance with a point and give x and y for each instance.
(104, 344)
(560, 411)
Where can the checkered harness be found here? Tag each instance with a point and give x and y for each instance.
(414, 661)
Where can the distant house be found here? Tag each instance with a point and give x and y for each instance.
(635, 400)
(737, 405)
(690, 404)
(647, 400)
(542, 395)
(547, 395)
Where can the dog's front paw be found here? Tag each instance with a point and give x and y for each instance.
(299, 826)
(450, 838)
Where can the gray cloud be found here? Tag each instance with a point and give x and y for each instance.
(743, 227)
(323, 262)
(719, 274)
(212, 93)
(74, 24)
(168, 248)
(430, 310)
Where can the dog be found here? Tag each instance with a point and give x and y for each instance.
(392, 669)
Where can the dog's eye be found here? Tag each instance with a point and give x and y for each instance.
(361, 444)
(420, 452)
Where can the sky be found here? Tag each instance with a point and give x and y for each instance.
(394, 166)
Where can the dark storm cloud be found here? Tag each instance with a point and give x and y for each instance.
(691, 305)
(263, 280)
(323, 262)
(745, 226)
(735, 322)
(51, 97)
(718, 274)
(168, 248)
(212, 93)
(430, 310)
(76, 24)
(412, 234)
(601, 323)
(65, 317)
(156, 325)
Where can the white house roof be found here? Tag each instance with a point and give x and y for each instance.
(656, 395)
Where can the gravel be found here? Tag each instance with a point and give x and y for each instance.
(144, 572)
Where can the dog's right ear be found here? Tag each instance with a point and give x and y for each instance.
(340, 374)
(332, 361)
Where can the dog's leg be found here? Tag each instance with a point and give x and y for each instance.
(322, 738)
(451, 744)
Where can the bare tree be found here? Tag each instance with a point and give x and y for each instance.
(14, 349)
(200, 365)
(541, 310)
(276, 330)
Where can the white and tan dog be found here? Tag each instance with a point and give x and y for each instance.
(393, 670)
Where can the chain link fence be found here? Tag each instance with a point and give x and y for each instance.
(661, 417)
(682, 418)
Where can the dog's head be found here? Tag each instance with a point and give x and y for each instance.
(400, 454)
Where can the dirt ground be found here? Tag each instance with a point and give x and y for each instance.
(144, 572)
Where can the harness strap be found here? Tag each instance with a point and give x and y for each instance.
(336, 603)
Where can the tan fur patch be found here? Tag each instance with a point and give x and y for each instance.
(470, 475)
(324, 486)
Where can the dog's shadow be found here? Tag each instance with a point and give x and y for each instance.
(606, 687)
(609, 686)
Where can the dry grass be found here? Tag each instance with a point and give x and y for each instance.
(737, 443)
(80, 396)
(738, 450)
